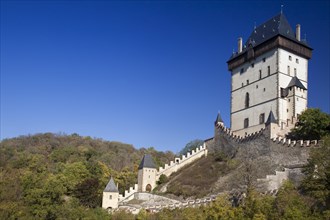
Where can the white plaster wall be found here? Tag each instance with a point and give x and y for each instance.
(252, 73)
(146, 176)
(262, 92)
(278, 61)
(301, 66)
(110, 203)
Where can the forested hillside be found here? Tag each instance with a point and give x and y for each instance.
(49, 176)
(53, 176)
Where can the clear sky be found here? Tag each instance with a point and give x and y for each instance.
(147, 73)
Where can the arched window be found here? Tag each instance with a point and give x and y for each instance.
(247, 100)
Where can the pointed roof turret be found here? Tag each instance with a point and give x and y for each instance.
(296, 82)
(147, 162)
(218, 119)
(271, 118)
(111, 186)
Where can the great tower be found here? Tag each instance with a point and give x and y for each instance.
(269, 76)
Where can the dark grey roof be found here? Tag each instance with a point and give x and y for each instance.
(296, 82)
(147, 162)
(271, 118)
(277, 25)
(111, 186)
(219, 119)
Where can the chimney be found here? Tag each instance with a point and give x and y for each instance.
(240, 44)
(298, 32)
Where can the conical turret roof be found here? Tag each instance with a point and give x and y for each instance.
(111, 186)
(271, 118)
(218, 119)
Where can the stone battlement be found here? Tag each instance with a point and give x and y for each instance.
(278, 139)
(237, 138)
(128, 194)
(293, 143)
(178, 162)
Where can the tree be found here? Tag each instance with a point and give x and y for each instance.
(289, 204)
(88, 193)
(312, 124)
(191, 146)
(317, 174)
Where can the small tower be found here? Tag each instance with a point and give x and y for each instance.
(110, 195)
(218, 120)
(271, 124)
(147, 174)
(296, 96)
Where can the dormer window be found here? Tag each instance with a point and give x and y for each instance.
(242, 70)
(263, 59)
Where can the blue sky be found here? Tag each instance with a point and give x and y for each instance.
(147, 73)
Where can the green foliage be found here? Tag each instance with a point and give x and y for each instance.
(257, 206)
(52, 176)
(289, 204)
(88, 193)
(162, 179)
(192, 145)
(312, 124)
(317, 175)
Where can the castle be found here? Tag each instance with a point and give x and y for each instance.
(268, 92)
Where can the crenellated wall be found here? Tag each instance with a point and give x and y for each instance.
(270, 155)
(128, 194)
(167, 170)
(178, 162)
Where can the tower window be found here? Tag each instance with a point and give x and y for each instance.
(110, 197)
(290, 58)
(262, 118)
(247, 100)
(246, 122)
(242, 84)
(264, 89)
(260, 75)
(268, 70)
(263, 59)
(297, 60)
(247, 82)
(295, 72)
(256, 86)
(288, 70)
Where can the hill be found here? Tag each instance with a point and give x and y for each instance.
(49, 175)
